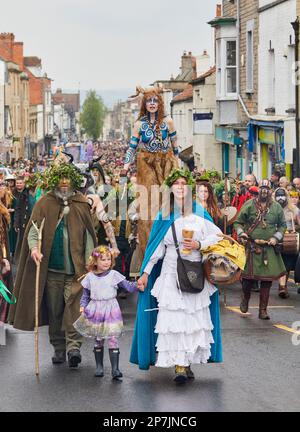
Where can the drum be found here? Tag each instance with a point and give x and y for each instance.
(231, 213)
(221, 271)
(290, 243)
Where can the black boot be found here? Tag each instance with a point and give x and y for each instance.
(74, 358)
(59, 357)
(114, 354)
(246, 287)
(98, 351)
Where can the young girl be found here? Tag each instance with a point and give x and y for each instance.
(101, 316)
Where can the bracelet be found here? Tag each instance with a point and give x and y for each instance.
(199, 248)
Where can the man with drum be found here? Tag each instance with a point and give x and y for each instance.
(290, 248)
(261, 226)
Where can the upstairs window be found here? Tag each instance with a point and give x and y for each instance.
(226, 59)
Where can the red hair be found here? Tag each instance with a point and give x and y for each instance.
(161, 107)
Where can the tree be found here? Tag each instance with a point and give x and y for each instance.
(93, 114)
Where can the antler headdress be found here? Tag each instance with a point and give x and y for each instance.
(141, 91)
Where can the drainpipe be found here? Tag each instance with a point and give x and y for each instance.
(238, 23)
(295, 25)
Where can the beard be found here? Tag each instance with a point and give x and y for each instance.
(263, 197)
(63, 195)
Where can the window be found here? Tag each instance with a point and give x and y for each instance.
(271, 93)
(226, 62)
(231, 67)
(250, 62)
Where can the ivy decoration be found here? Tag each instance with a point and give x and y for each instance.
(64, 170)
(180, 173)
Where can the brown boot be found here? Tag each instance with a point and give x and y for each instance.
(283, 292)
(264, 300)
(246, 287)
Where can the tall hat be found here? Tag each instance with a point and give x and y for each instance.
(94, 164)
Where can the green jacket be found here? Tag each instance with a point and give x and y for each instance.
(263, 263)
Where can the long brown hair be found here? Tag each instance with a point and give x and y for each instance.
(161, 108)
(212, 206)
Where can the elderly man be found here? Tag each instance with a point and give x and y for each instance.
(68, 240)
(284, 182)
(296, 183)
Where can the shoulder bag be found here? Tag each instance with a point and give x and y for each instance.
(190, 275)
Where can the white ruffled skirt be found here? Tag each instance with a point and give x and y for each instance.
(184, 323)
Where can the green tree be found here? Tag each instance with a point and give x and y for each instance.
(93, 114)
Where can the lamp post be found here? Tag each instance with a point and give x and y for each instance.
(295, 25)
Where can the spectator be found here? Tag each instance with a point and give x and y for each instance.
(275, 179)
(284, 182)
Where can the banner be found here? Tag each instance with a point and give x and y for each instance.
(203, 123)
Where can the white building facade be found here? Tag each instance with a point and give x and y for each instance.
(274, 136)
(207, 152)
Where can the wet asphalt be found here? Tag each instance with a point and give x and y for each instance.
(260, 372)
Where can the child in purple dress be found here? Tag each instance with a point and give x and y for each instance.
(101, 316)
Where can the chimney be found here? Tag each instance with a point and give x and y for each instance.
(203, 63)
(18, 56)
(219, 10)
(186, 62)
(6, 45)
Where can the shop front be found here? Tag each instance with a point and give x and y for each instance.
(233, 149)
(271, 147)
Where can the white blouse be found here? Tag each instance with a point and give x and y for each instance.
(204, 231)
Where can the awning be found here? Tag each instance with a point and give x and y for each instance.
(275, 122)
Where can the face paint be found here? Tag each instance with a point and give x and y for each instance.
(152, 100)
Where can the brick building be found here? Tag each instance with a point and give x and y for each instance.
(16, 96)
(41, 110)
(70, 104)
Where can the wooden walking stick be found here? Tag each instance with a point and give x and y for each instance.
(37, 284)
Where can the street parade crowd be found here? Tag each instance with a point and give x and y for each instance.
(131, 220)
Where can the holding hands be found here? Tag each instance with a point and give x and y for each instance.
(142, 282)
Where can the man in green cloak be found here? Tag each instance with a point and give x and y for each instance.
(68, 240)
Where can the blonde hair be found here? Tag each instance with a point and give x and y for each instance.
(98, 252)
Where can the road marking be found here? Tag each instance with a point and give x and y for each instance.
(274, 307)
(236, 309)
(288, 329)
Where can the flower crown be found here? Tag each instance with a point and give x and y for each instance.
(180, 173)
(101, 250)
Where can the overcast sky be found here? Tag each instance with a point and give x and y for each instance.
(107, 44)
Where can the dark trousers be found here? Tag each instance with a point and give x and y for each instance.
(124, 257)
(265, 287)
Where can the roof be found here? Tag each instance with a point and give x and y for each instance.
(187, 94)
(70, 100)
(221, 21)
(202, 77)
(32, 61)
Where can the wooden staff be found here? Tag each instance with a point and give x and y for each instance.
(37, 284)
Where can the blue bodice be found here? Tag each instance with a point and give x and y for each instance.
(150, 139)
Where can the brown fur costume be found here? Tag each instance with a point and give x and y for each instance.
(152, 169)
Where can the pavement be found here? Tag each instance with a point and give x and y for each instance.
(260, 371)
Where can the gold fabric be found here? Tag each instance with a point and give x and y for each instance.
(234, 252)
